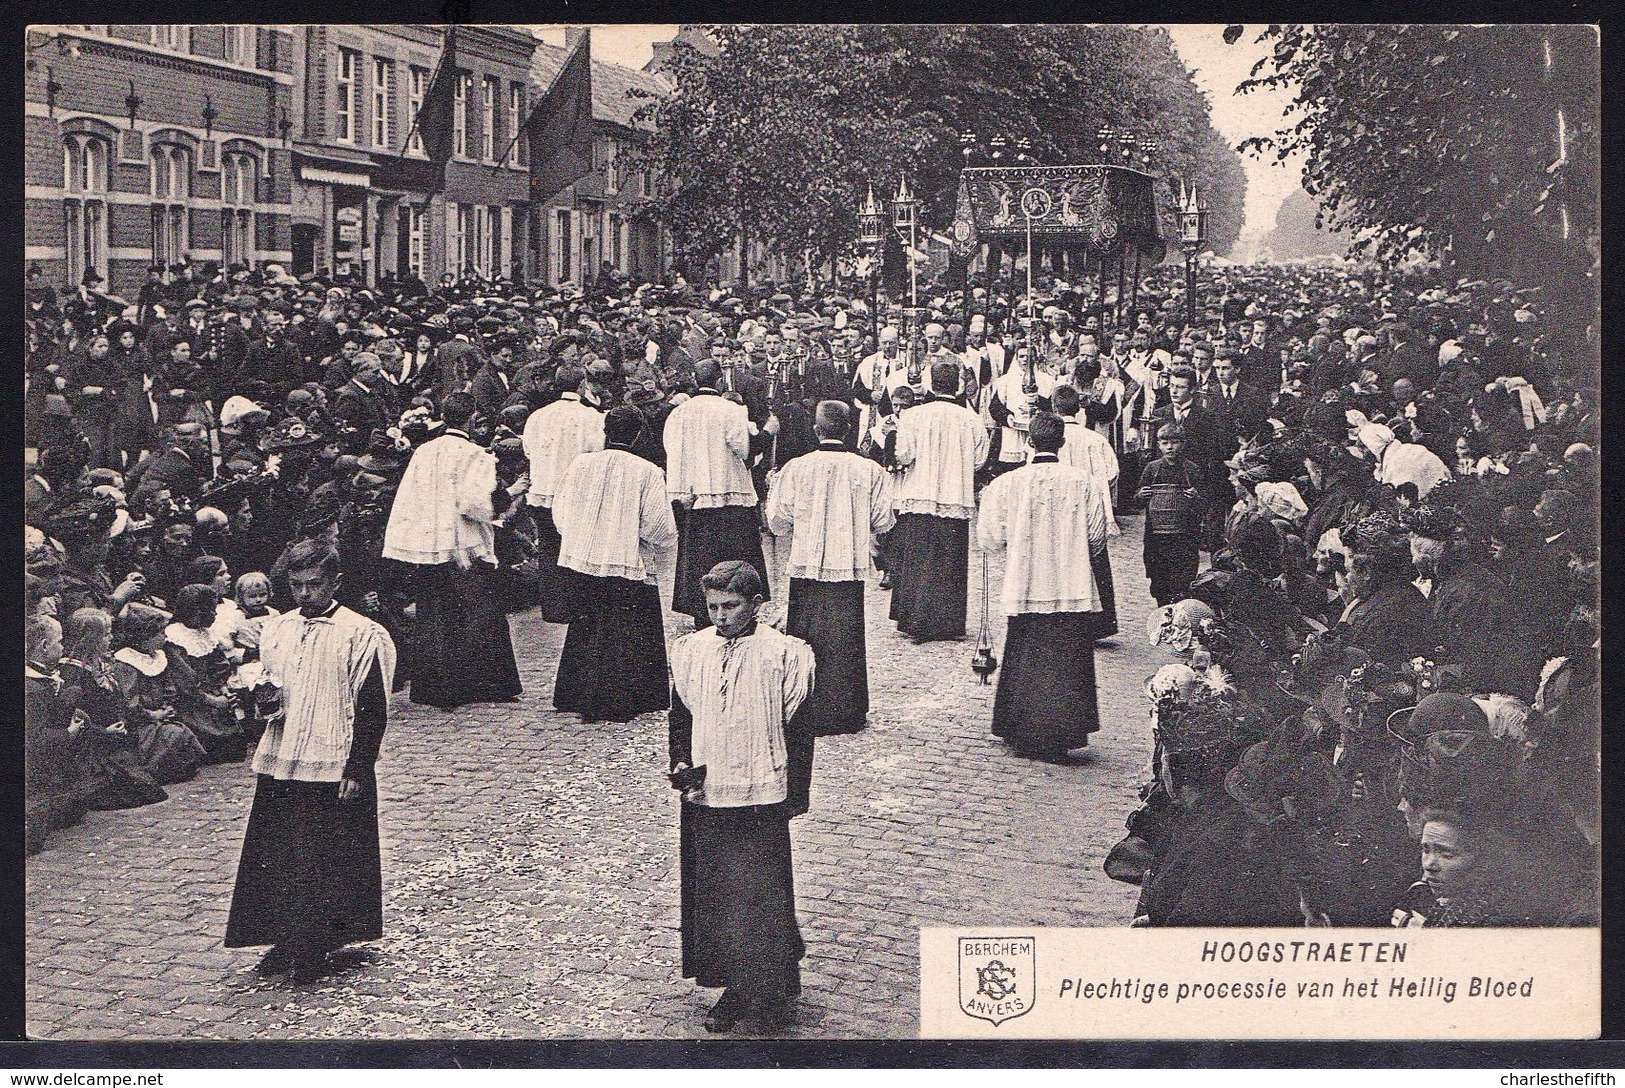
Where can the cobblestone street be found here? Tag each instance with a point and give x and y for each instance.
(530, 864)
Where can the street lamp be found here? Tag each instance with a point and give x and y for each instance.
(905, 218)
(1148, 151)
(1107, 137)
(1192, 237)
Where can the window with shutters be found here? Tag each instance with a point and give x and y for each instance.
(488, 119)
(468, 230)
(172, 36)
(565, 236)
(383, 89)
(417, 83)
(239, 178)
(344, 96)
(516, 110)
(415, 238)
(459, 115)
(84, 205)
(454, 238)
(171, 190)
(492, 256)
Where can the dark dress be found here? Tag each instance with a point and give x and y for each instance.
(216, 728)
(310, 876)
(117, 755)
(1213, 871)
(168, 750)
(57, 786)
(1393, 624)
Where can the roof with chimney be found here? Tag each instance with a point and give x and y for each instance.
(617, 92)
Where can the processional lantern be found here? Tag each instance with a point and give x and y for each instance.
(903, 207)
(871, 221)
(1192, 219)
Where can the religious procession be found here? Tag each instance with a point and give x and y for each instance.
(272, 513)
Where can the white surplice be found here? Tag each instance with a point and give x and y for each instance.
(1050, 517)
(1086, 449)
(942, 444)
(443, 506)
(614, 516)
(741, 692)
(555, 435)
(707, 440)
(832, 500)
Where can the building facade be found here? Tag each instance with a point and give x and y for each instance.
(295, 144)
(153, 144)
(601, 217)
(365, 196)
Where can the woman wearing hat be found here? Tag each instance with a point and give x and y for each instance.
(1209, 866)
(141, 669)
(1490, 854)
(1385, 614)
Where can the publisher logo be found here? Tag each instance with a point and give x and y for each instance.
(997, 977)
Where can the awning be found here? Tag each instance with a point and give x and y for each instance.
(334, 177)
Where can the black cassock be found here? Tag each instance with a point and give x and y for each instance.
(310, 877)
(929, 562)
(613, 666)
(1045, 703)
(708, 537)
(738, 892)
(461, 649)
(828, 616)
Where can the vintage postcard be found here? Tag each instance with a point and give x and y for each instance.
(812, 531)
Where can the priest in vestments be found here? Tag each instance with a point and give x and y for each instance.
(310, 879)
(614, 521)
(554, 435)
(1051, 517)
(1087, 449)
(941, 444)
(834, 502)
(440, 523)
(710, 444)
(734, 685)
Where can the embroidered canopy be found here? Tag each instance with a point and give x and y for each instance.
(1103, 211)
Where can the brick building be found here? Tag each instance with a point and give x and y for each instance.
(291, 143)
(365, 197)
(600, 218)
(149, 143)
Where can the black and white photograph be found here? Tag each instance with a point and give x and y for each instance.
(609, 531)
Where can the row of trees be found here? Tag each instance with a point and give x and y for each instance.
(775, 136)
(1477, 145)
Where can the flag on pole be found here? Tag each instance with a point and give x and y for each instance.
(560, 127)
(434, 120)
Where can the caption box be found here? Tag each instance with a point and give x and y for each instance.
(1481, 984)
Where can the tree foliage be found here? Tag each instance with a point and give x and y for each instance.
(1444, 140)
(780, 132)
